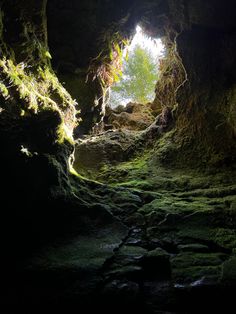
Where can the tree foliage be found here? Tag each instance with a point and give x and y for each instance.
(138, 80)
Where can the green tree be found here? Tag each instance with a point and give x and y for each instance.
(138, 80)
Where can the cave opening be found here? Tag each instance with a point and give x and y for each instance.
(137, 78)
(128, 79)
(123, 127)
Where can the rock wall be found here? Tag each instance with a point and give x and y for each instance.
(37, 117)
(206, 114)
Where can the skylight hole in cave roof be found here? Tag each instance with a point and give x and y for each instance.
(156, 51)
(155, 45)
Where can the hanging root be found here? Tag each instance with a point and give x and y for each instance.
(172, 75)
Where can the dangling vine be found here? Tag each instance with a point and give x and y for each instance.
(172, 75)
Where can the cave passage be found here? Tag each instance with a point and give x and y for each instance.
(140, 62)
(137, 215)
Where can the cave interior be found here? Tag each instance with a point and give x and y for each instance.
(131, 208)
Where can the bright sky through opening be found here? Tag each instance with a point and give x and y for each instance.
(154, 45)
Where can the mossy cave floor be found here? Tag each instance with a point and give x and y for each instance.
(182, 239)
(156, 240)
